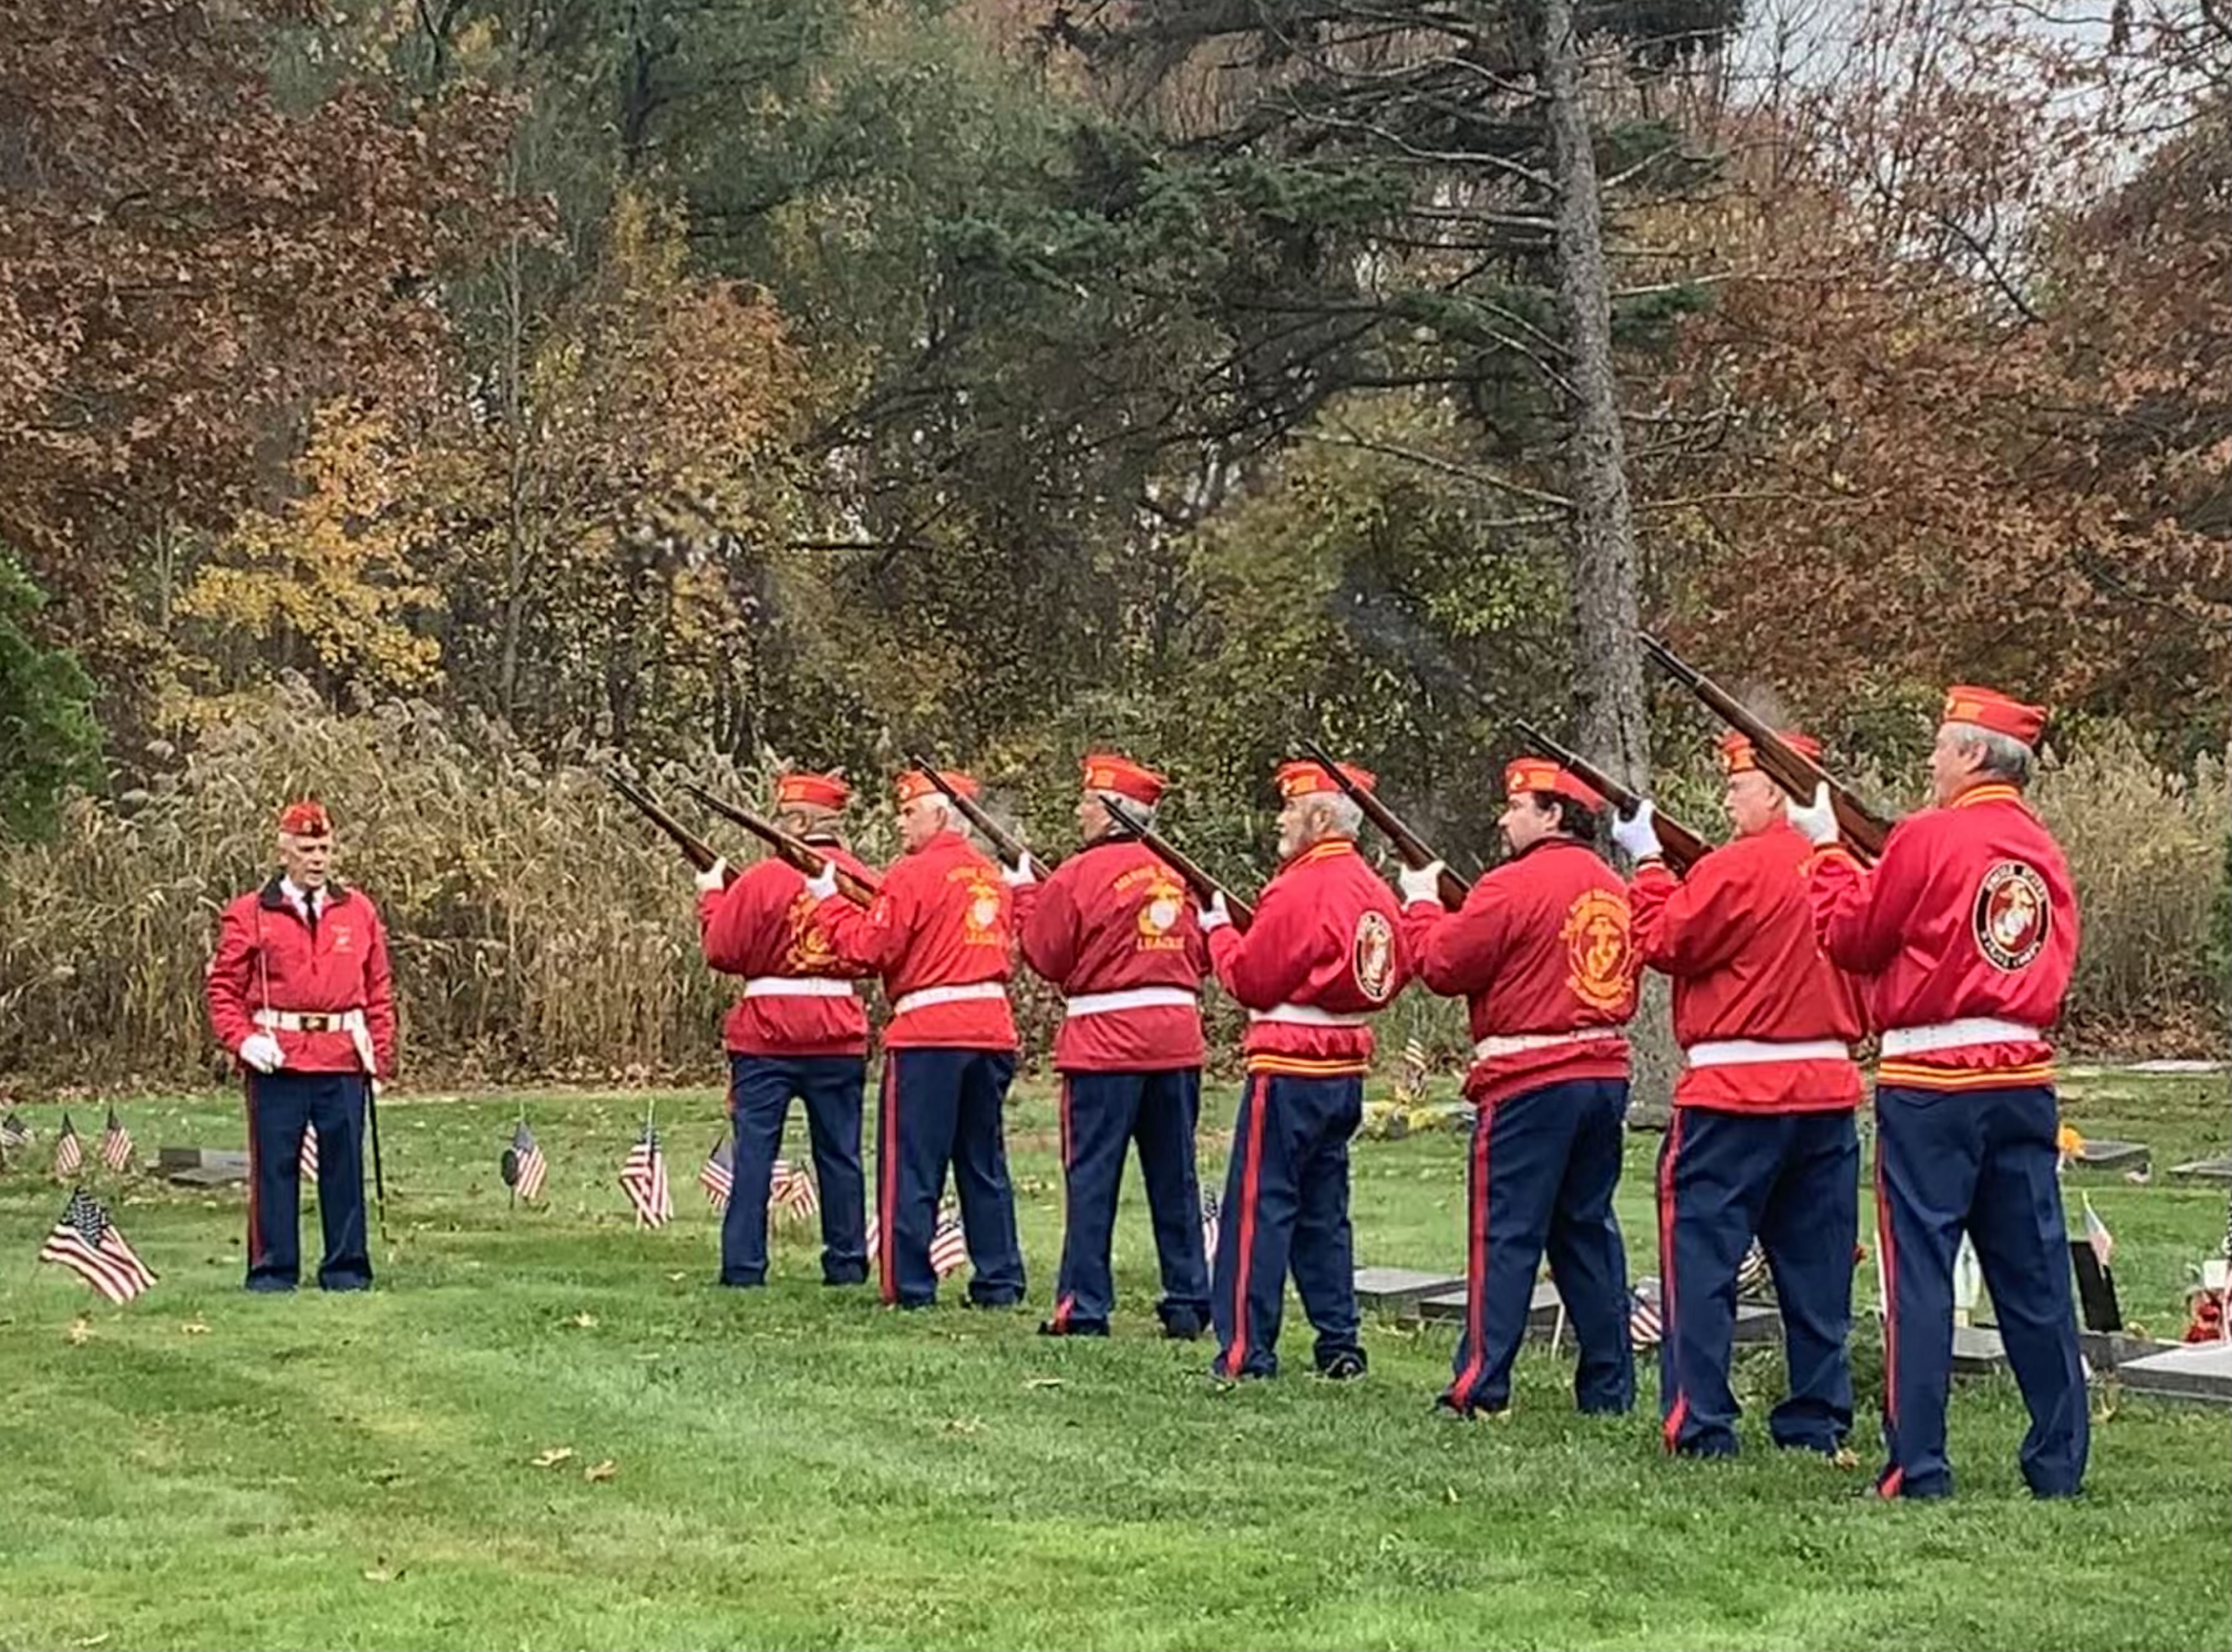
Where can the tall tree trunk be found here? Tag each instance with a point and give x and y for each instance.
(1608, 672)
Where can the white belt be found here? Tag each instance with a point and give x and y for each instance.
(350, 1022)
(1310, 1016)
(1750, 1052)
(1131, 997)
(797, 986)
(1497, 1044)
(1947, 1035)
(929, 997)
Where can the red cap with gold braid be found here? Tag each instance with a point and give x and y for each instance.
(821, 791)
(914, 784)
(306, 818)
(1302, 778)
(1107, 771)
(1524, 774)
(1737, 756)
(1989, 709)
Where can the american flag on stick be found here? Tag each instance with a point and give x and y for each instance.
(1209, 1223)
(116, 1144)
(69, 1152)
(791, 1191)
(14, 1132)
(522, 1166)
(948, 1243)
(1645, 1326)
(309, 1152)
(1751, 1272)
(719, 1177)
(85, 1242)
(643, 1179)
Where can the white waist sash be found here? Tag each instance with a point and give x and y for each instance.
(931, 997)
(1948, 1035)
(797, 986)
(350, 1022)
(1497, 1044)
(1751, 1051)
(1132, 998)
(1310, 1016)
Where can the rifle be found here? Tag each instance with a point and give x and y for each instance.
(1795, 773)
(1682, 846)
(1408, 844)
(1005, 843)
(861, 890)
(695, 849)
(1189, 870)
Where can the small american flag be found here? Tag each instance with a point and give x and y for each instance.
(1208, 1219)
(791, 1189)
(1411, 1087)
(309, 1152)
(522, 1165)
(719, 1177)
(85, 1241)
(644, 1178)
(1645, 1326)
(116, 1143)
(69, 1152)
(1751, 1273)
(2096, 1235)
(949, 1244)
(14, 1132)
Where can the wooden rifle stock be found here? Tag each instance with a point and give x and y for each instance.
(695, 849)
(861, 892)
(1795, 773)
(1412, 848)
(1682, 846)
(1005, 843)
(1190, 871)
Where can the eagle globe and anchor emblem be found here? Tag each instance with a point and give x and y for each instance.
(2011, 918)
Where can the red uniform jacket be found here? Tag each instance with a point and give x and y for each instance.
(267, 958)
(1324, 953)
(1541, 950)
(763, 927)
(1736, 938)
(1969, 915)
(942, 920)
(1112, 918)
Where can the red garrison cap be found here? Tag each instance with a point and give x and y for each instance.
(1989, 709)
(1541, 774)
(1300, 778)
(914, 784)
(1107, 772)
(1738, 757)
(306, 818)
(823, 791)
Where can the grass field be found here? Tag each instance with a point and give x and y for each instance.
(798, 1467)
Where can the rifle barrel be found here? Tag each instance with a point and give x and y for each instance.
(1415, 851)
(695, 849)
(1204, 887)
(861, 890)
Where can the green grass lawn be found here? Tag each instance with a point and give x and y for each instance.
(797, 1467)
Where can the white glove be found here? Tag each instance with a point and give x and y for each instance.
(823, 883)
(714, 878)
(1638, 833)
(1023, 872)
(1817, 819)
(1213, 916)
(262, 1052)
(1424, 884)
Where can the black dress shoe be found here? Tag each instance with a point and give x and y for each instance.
(1344, 1367)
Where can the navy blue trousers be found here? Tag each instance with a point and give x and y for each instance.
(1545, 1164)
(941, 1107)
(1984, 1159)
(279, 1106)
(1102, 1114)
(760, 1091)
(1792, 1180)
(1286, 1209)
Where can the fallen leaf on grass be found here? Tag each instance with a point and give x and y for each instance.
(79, 1331)
(1846, 1457)
(679, 1277)
(378, 1574)
(1042, 1382)
(584, 1320)
(551, 1456)
(92, 1640)
(604, 1470)
(196, 1327)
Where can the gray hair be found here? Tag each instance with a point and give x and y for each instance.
(2005, 757)
(1344, 816)
(1133, 809)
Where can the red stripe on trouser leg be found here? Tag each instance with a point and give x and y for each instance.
(887, 1179)
(1251, 1171)
(1477, 1259)
(1667, 1310)
(255, 1202)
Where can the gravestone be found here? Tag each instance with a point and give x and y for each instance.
(1977, 1351)
(1757, 1325)
(1541, 1310)
(2216, 1169)
(2113, 1350)
(1397, 1291)
(2113, 1159)
(2189, 1371)
(202, 1167)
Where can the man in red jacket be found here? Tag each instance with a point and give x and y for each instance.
(1541, 949)
(1323, 957)
(1762, 1141)
(1965, 934)
(798, 1029)
(940, 935)
(299, 991)
(1114, 928)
